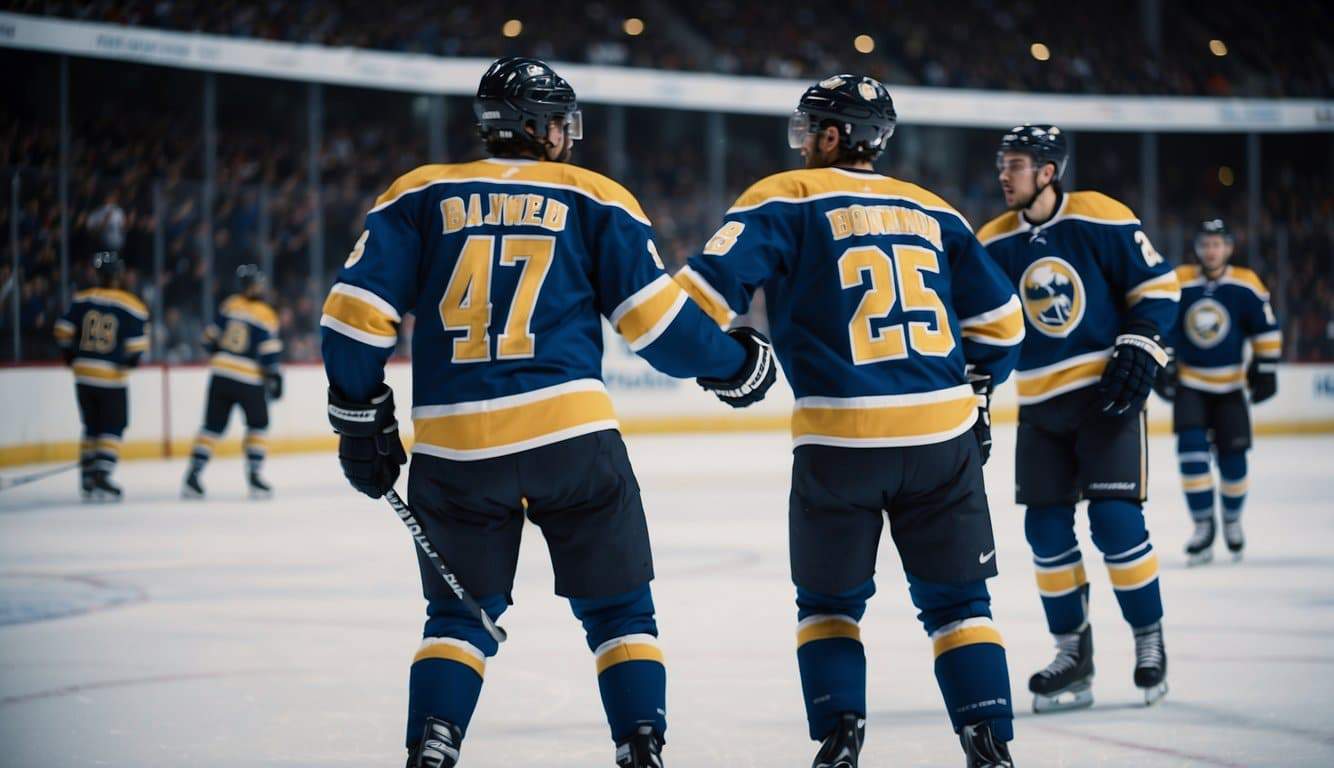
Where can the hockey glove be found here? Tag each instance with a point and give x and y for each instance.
(273, 385)
(1129, 375)
(368, 444)
(1166, 383)
(1262, 378)
(757, 374)
(981, 384)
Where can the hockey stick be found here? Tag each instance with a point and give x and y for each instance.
(9, 482)
(405, 514)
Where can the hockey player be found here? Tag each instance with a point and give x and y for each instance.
(1097, 300)
(1222, 307)
(893, 326)
(508, 264)
(244, 347)
(102, 335)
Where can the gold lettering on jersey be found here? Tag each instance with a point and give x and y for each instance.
(530, 210)
(862, 220)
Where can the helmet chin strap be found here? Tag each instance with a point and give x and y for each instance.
(1037, 190)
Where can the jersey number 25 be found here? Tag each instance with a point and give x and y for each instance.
(891, 280)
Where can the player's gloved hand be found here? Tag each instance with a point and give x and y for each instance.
(1134, 366)
(368, 445)
(981, 384)
(273, 385)
(1262, 379)
(757, 374)
(1166, 383)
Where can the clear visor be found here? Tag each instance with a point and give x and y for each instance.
(574, 125)
(1014, 162)
(798, 128)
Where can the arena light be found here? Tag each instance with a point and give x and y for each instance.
(1217, 47)
(512, 28)
(863, 43)
(1225, 175)
(634, 27)
(1040, 51)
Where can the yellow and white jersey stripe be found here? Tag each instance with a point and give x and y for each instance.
(360, 314)
(884, 421)
(1223, 378)
(1002, 326)
(1165, 286)
(99, 373)
(645, 314)
(1268, 344)
(485, 428)
(236, 367)
(1038, 384)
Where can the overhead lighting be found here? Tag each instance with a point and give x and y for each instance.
(1217, 47)
(1040, 51)
(633, 27)
(863, 43)
(512, 28)
(1225, 176)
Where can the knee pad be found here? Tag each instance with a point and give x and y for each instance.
(606, 618)
(1117, 525)
(1050, 530)
(851, 603)
(941, 604)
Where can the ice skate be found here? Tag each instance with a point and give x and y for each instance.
(642, 750)
(86, 485)
(982, 748)
(103, 490)
(192, 488)
(1200, 547)
(439, 746)
(1234, 538)
(1151, 663)
(1067, 682)
(841, 747)
(258, 487)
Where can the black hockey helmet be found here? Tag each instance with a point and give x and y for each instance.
(517, 91)
(1045, 143)
(249, 278)
(1212, 227)
(108, 266)
(860, 106)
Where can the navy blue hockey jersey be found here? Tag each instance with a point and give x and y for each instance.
(1081, 276)
(243, 340)
(1218, 317)
(879, 298)
(509, 266)
(106, 331)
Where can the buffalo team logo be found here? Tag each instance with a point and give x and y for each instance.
(1207, 323)
(1053, 296)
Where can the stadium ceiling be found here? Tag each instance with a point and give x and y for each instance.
(418, 73)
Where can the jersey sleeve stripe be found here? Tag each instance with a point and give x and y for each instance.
(1161, 287)
(640, 318)
(1002, 326)
(356, 334)
(367, 297)
(708, 299)
(362, 311)
(270, 346)
(136, 344)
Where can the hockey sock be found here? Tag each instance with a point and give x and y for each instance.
(256, 447)
(87, 455)
(1232, 467)
(1118, 531)
(106, 453)
(447, 672)
(1059, 567)
(830, 655)
(1196, 479)
(202, 450)
(970, 658)
(623, 636)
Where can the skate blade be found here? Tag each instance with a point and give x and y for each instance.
(260, 495)
(1154, 694)
(1236, 556)
(1200, 558)
(1063, 701)
(192, 495)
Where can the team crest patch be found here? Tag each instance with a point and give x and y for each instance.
(1053, 296)
(1207, 323)
(831, 83)
(867, 90)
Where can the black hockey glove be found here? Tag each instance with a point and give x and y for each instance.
(273, 385)
(757, 374)
(1129, 375)
(1166, 383)
(1262, 379)
(368, 445)
(981, 384)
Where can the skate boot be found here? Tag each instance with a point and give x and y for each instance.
(642, 750)
(982, 748)
(1067, 682)
(86, 485)
(439, 746)
(841, 747)
(1200, 547)
(192, 488)
(1234, 538)
(103, 489)
(259, 488)
(1151, 662)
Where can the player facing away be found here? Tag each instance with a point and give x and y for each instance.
(244, 348)
(102, 336)
(1097, 301)
(893, 326)
(1222, 308)
(509, 263)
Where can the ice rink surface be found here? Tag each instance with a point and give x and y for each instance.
(278, 633)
